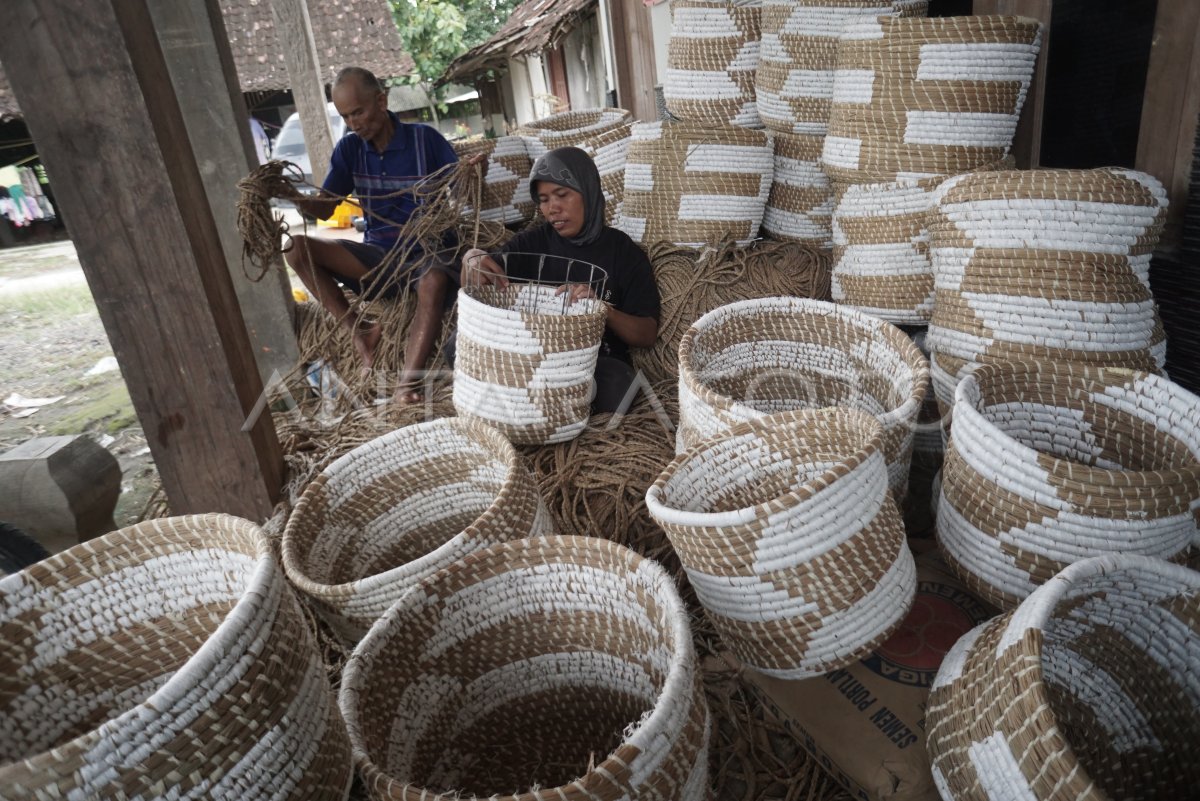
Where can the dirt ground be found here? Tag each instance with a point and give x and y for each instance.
(50, 338)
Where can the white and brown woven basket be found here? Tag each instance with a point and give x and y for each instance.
(712, 57)
(1088, 691)
(505, 192)
(756, 357)
(602, 133)
(165, 660)
(694, 184)
(790, 538)
(920, 98)
(800, 205)
(526, 359)
(538, 670)
(401, 507)
(1052, 463)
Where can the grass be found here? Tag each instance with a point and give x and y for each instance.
(108, 409)
(68, 300)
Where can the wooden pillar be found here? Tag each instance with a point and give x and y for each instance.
(633, 56)
(491, 105)
(192, 35)
(1027, 143)
(294, 29)
(1170, 108)
(94, 87)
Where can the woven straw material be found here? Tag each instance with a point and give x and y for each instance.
(1088, 691)
(794, 83)
(800, 205)
(525, 360)
(695, 185)
(756, 357)
(556, 669)
(1050, 464)
(601, 133)
(401, 507)
(165, 660)
(1047, 264)
(790, 538)
(505, 197)
(932, 97)
(712, 57)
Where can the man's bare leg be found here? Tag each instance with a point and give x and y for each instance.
(317, 262)
(426, 326)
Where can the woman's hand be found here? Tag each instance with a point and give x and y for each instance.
(575, 292)
(480, 269)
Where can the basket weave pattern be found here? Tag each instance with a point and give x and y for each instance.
(165, 660)
(800, 204)
(505, 196)
(512, 670)
(712, 57)
(790, 538)
(756, 357)
(401, 507)
(1087, 691)
(1050, 464)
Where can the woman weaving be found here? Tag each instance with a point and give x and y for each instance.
(566, 187)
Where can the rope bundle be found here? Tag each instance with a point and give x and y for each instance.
(164, 660)
(1050, 464)
(1087, 691)
(790, 538)
(399, 508)
(800, 204)
(540, 670)
(712, 57)
(695, 184)
(758, 357)
(505, 192)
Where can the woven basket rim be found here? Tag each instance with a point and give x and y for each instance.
(585, 318)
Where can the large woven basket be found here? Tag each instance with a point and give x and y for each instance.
(757, 357)
(790, 538)
(401, 507)
(694, 184)
(800, 205)
(1047, 264)
(165, 660)
(1087, 692)
(505, 192)
(1052, 463)
(798, 55)
(712, 57)
(917, 98)
(602, 133)
(526, 359)
(538, 670)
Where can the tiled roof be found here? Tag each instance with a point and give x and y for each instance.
(534, 26)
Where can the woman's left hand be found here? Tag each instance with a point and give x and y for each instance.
(575, 292)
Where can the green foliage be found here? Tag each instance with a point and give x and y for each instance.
(435, 32)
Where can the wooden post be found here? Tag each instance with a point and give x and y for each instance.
(1027, 143)
(491, 105)
(294, 29)
(97, 96)
(633, 56)
(192, 35)
(1170, 108)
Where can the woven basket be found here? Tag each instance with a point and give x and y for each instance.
(917, 98)
(1050, 464)
(711, 60)
(602, 133)
(525, 360)
(756, 357)
(1088, 691)
(505, 194)
(401, 507)
(510, 675)
(794, 82)
(790, 538)
(165, 660)
(800, 205)
(1047, 264)
(694, 184)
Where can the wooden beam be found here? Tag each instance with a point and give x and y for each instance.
(633, 57)
(294, 29)
(1027, 143)
(1170, 108)
(192, 35)
(94, 87)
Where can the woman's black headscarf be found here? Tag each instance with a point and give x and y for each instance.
(574, 169)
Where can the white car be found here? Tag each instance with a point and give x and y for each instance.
(289, 146)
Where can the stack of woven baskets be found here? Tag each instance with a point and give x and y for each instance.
(602, 133)
(712, 58)
(914, 101)
(694, 184)
(794, 87)
(505, 192)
